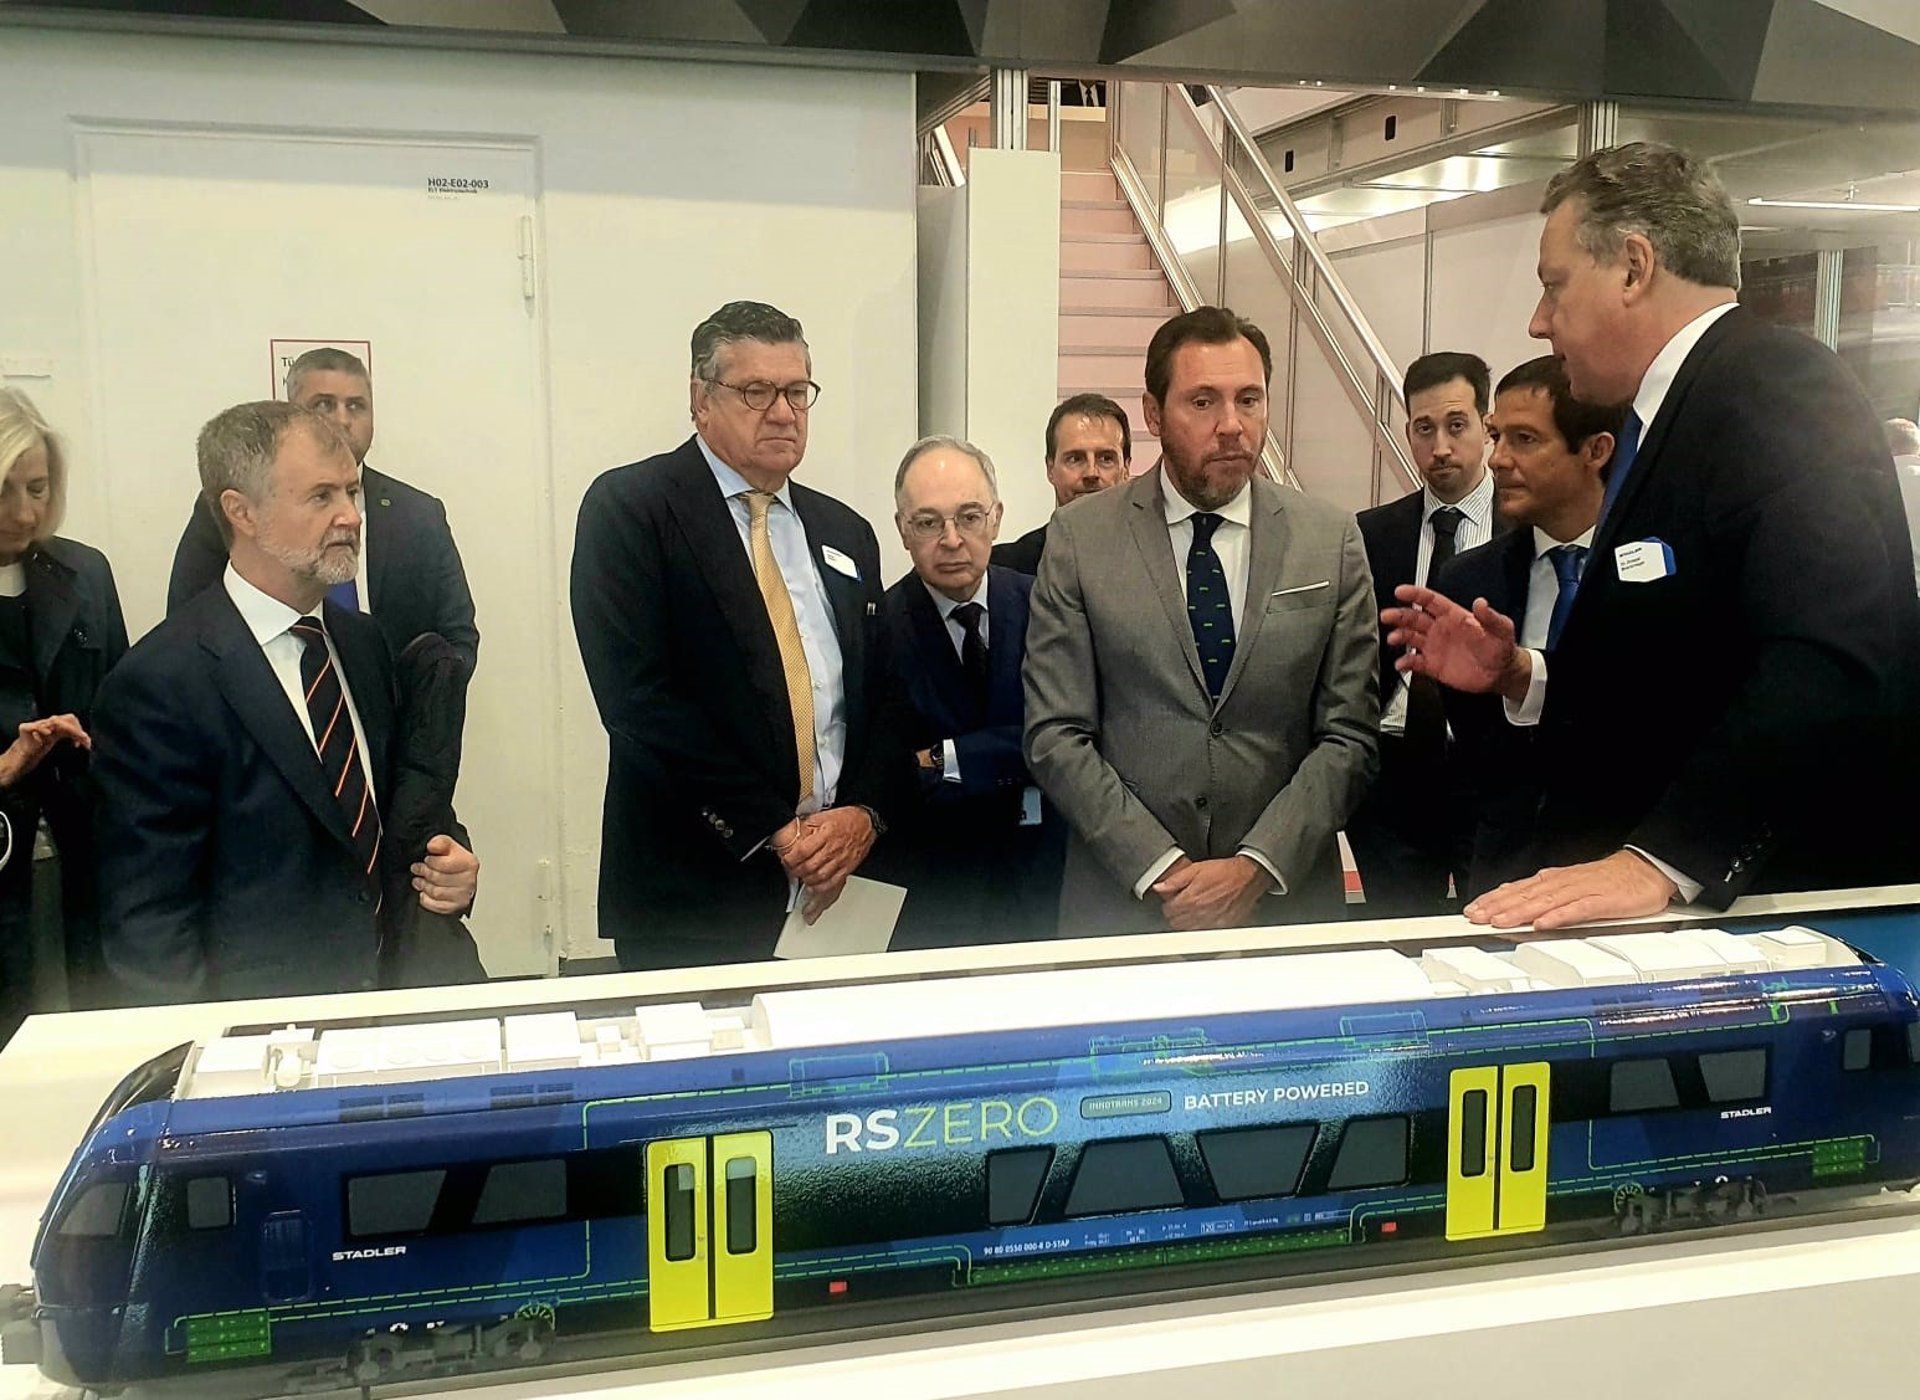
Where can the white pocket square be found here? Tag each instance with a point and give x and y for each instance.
(1301, 588)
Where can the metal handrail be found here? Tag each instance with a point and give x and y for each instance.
(1133, 189)
(1322, 265)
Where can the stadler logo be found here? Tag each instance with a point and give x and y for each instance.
(384, 1252)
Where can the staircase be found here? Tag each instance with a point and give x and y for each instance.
(1112, 299)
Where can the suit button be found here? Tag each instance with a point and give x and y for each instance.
(726, 831)
(364, 896)
(1201, 802)
(1218, 729)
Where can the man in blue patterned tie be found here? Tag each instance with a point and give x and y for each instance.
(1551, 454)
(1207, 749)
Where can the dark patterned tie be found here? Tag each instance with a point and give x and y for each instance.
(1569, 563)
(1426, 730)
(339, 749)
(973, 649)
(1209, 608)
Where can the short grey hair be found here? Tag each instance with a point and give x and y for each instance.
(742, 320)
(21, 430)
(238, 446)
(327, 359)
(937, 440)
(1671, 199)
(1903, 437)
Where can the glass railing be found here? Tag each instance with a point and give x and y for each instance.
(1225, 231)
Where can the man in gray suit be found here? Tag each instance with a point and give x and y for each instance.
(1200, 672)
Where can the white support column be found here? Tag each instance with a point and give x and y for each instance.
(1826, 297)
(1599, 125)
(1007, 106)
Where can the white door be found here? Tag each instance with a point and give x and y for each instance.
(205, 247)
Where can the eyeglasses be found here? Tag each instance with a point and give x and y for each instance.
(759, 395)
(968, 520)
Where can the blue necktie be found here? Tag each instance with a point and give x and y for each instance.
(1624, 449)
(1208, 607)
(345, 595)
(1569, 562)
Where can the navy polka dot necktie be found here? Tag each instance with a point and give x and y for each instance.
(1209, 608)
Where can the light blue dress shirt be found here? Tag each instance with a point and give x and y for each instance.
(811, 609)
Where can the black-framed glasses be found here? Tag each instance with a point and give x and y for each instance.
(759, 395)
(968, 520)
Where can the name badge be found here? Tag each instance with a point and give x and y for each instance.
(839, 562)
(1643, 561)
(1030, 806)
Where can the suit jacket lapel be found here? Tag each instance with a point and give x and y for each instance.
(1148, 518)
(846, 597)
(1266, 551)
(376, 502)
(248, 683)
(707, 519)
(1518, 567)
(935, 647)
(52, 605)
(1006, 644)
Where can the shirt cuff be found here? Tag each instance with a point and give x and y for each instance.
(1686, 890)
(1279, 885)
(1527, 712)
(1155, 871)
(950, 764)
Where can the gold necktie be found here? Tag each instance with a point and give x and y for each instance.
(786, 632)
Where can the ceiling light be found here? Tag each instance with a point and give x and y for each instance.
(1856, 206)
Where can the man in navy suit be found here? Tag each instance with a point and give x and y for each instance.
(1549, 463)
(1399, 835)
(241, 749)
(729, 619)
(1730, 703)
(410, 579)
(981, 856)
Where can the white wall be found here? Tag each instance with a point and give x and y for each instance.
(667, 189)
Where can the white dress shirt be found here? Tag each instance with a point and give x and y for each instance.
(1230, 544)
(1647, 403)
(810, 609)
(269, 619)
(1543, 586)
(950, 764)
(1476, 529)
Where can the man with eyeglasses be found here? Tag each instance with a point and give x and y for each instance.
(729, 621)
(980, 857)
(1199, 673)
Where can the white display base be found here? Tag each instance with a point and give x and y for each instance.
(1808, 1310)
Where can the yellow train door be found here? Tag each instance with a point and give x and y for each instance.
(709, 1231)
(1497, 1150)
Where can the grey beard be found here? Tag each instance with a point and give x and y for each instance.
(324, 568)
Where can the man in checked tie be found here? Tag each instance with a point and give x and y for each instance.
(240, 749)
(1201, 700)
(728, 617)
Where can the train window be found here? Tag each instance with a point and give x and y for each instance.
(522, 1191)
(1014, 1178)
(1856, 1051)
(1373, 1152)
(676, 1194)
(209, 1203)
(1526, 1107)
(1734, 1075)
(1249, 1163)
(1112, 1177)
(97, 1214)
(742, 1207)
(1473, 1133)
(397, 1203)
(1636, 1086)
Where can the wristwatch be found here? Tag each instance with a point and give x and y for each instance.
(936, 757)
(879, 826)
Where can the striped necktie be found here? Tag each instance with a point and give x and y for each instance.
(339, 749)
(786, 633)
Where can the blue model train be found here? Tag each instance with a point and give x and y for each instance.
(379, 1200)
